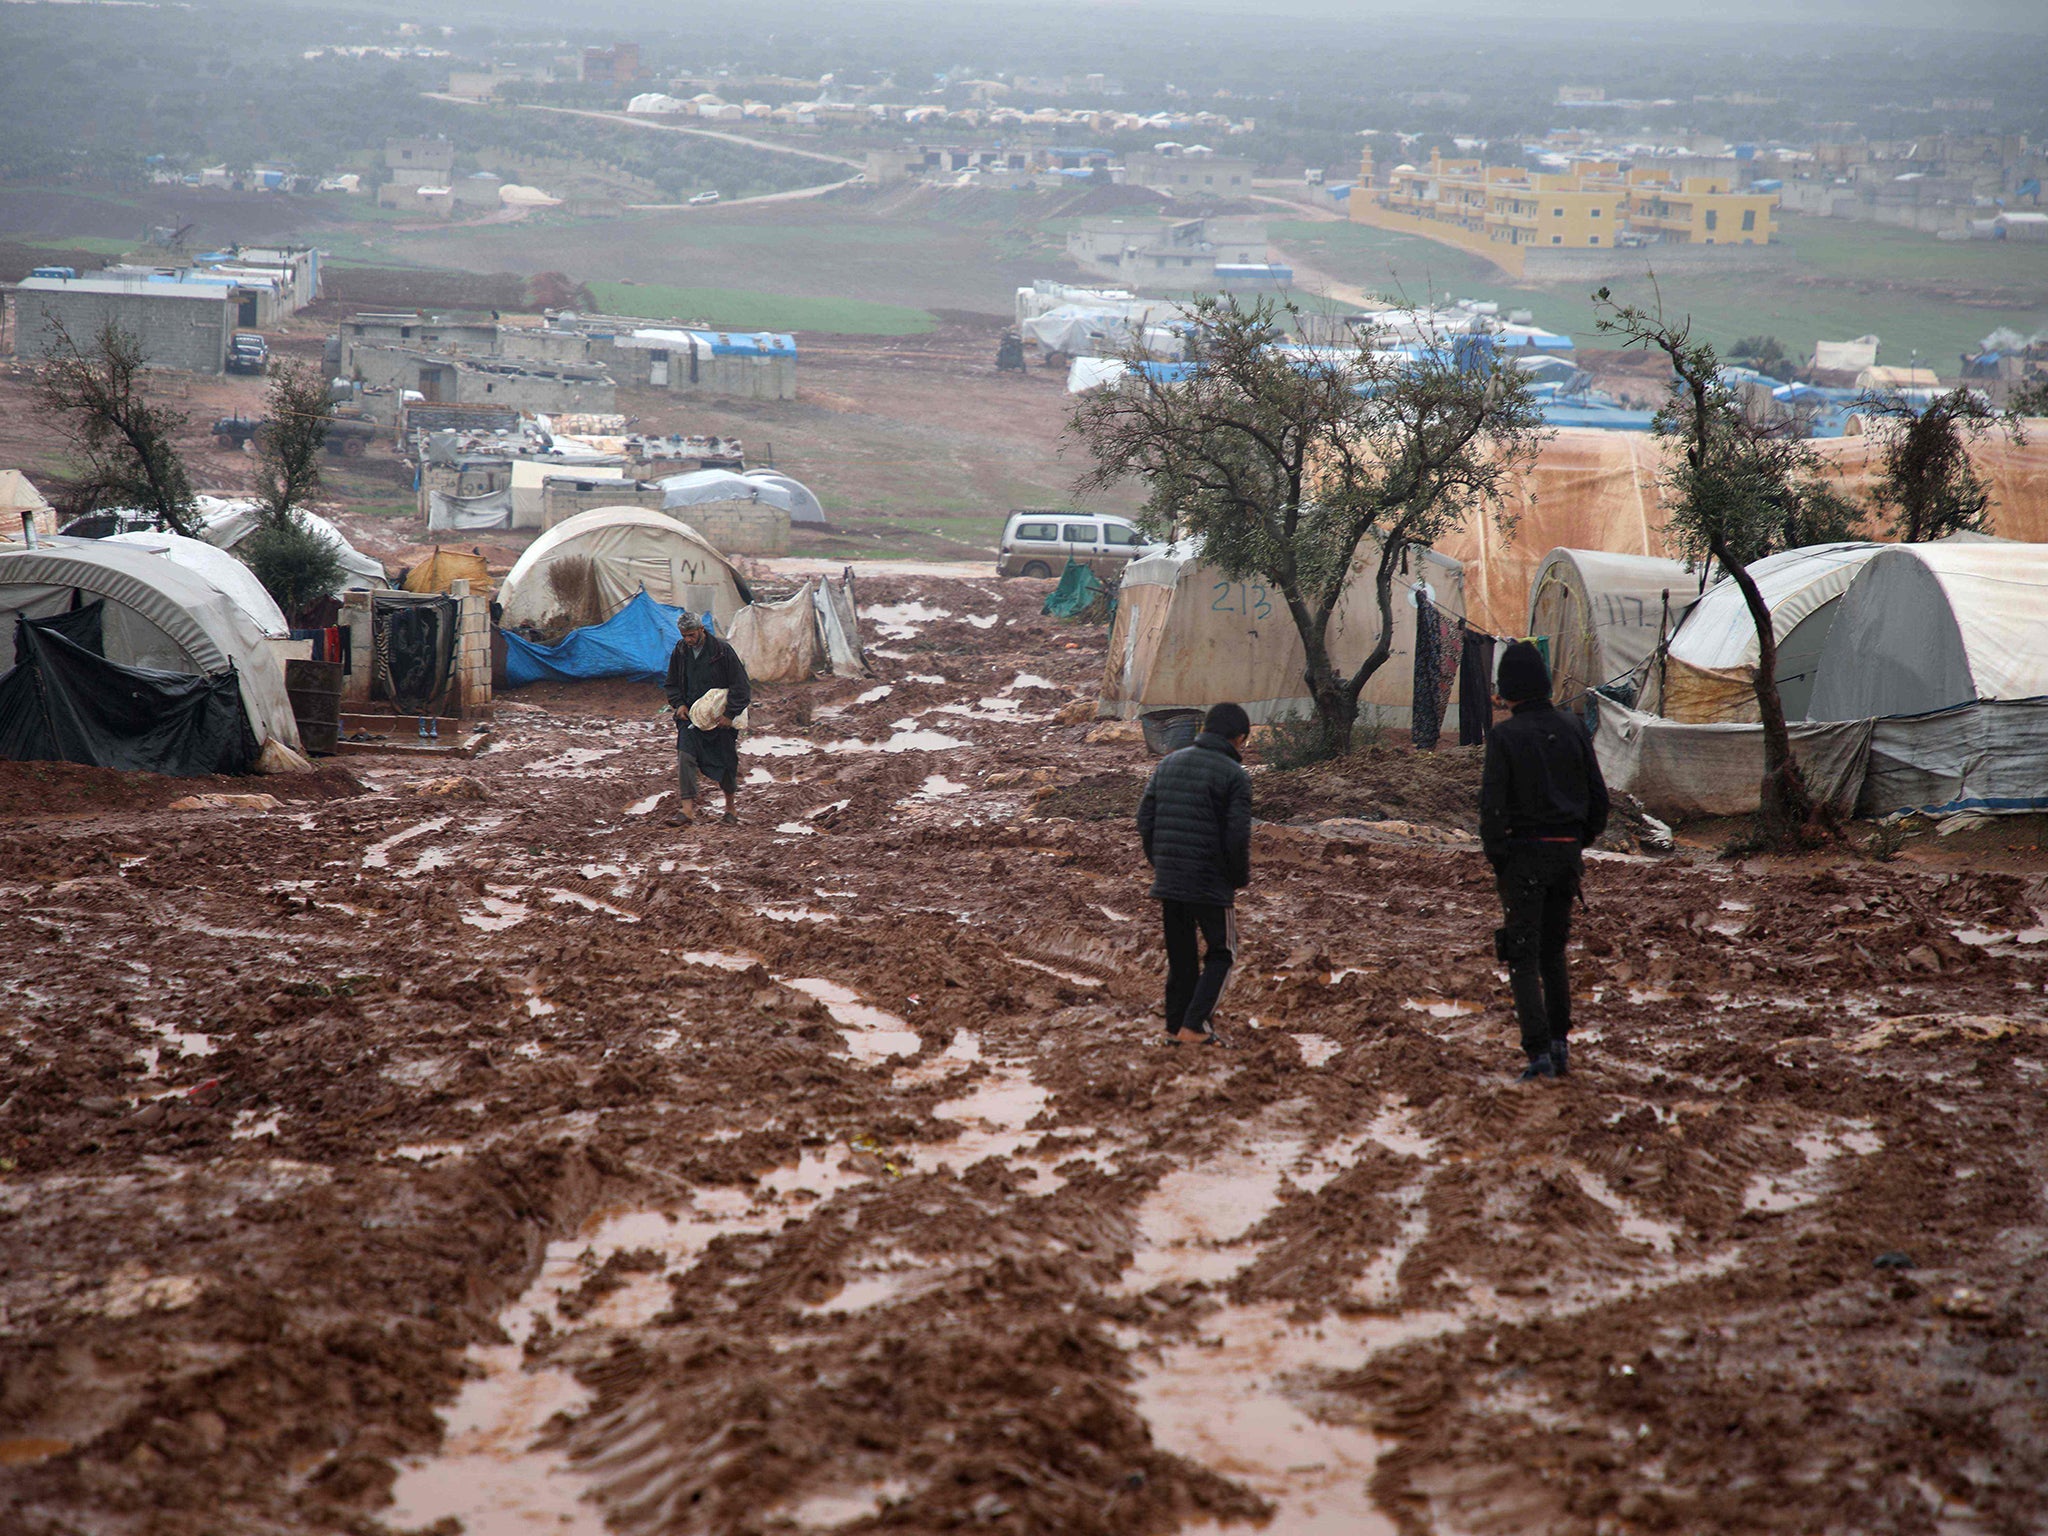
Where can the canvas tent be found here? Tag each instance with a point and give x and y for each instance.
(1185, 637)
(1926, 627)
(224, 524)
(218, 567)
(1603, 614)
(1705, 675)
(633, 643)
(157, 614)
(587, 567)
(789, 641)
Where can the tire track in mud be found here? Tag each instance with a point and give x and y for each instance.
(518, 1113)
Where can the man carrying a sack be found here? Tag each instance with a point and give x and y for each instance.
(708, 689)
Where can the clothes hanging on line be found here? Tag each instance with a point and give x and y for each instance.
(1475, 688)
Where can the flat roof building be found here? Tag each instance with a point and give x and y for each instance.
(183, 326)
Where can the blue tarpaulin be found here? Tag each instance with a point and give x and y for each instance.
(634, 643)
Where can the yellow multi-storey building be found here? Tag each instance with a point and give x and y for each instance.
(1504, 212)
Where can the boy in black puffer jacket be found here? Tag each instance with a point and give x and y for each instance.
(1196, 824)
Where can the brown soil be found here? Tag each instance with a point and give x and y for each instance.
(294, 1105)
(32, 790)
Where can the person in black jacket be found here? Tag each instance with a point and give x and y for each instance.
(699, 663)
(1196, 826)
(1541, 800)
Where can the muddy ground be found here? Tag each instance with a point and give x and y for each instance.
(478, 1149)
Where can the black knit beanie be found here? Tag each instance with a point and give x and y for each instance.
(1523, 676)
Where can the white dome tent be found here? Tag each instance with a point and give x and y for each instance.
(224, 524)
(1705, 676)
(158, 614)
(218, 567)
(804, 506)
(587, 567)
(1926, 627)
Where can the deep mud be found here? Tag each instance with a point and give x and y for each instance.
(476, 1147)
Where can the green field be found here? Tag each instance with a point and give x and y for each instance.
(742, 309)
(1933, 298)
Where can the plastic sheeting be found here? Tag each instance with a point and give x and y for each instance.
(778, 642)
(1683, 770)
(63, 701)
(1925, 627)
(446, 513)
(839, 629)
(1603, 613)
(587, 567)
(444, 567)
(1982, 757)
(1990, 757)
(1186, 637)
(634, 643)
(1706, 672)
(160, 616)
(789, 641)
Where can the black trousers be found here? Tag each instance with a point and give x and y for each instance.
(1537, 883)
(1195, 982)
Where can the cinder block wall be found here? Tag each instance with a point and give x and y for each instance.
(738, 527)
(471, 694)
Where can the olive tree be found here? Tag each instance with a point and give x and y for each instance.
(288, 450)
(124, 442)
(1284, 462)
(1738, 490)
(1927, 484)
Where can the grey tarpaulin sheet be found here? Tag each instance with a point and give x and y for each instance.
(493, 509)
(1681, 770)
(839, 628)
(1977, 757)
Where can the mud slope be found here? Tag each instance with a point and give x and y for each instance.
(474, 1147)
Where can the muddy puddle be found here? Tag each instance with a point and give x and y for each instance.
(827, 1171)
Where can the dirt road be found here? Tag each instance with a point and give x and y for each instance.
(475, 1146)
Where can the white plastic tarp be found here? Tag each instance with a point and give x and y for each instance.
(1683, 770)
(158, 614)
(778, 642)
(1928, 626)
(839, 630)
(491, 509)
(218, 567)
(1981, 757)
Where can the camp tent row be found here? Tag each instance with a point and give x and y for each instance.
(1916, 676)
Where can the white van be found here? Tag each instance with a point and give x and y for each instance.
(1041, 542)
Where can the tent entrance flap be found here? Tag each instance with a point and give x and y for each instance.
(64, 702)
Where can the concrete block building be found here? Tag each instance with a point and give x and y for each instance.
(182, 326)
